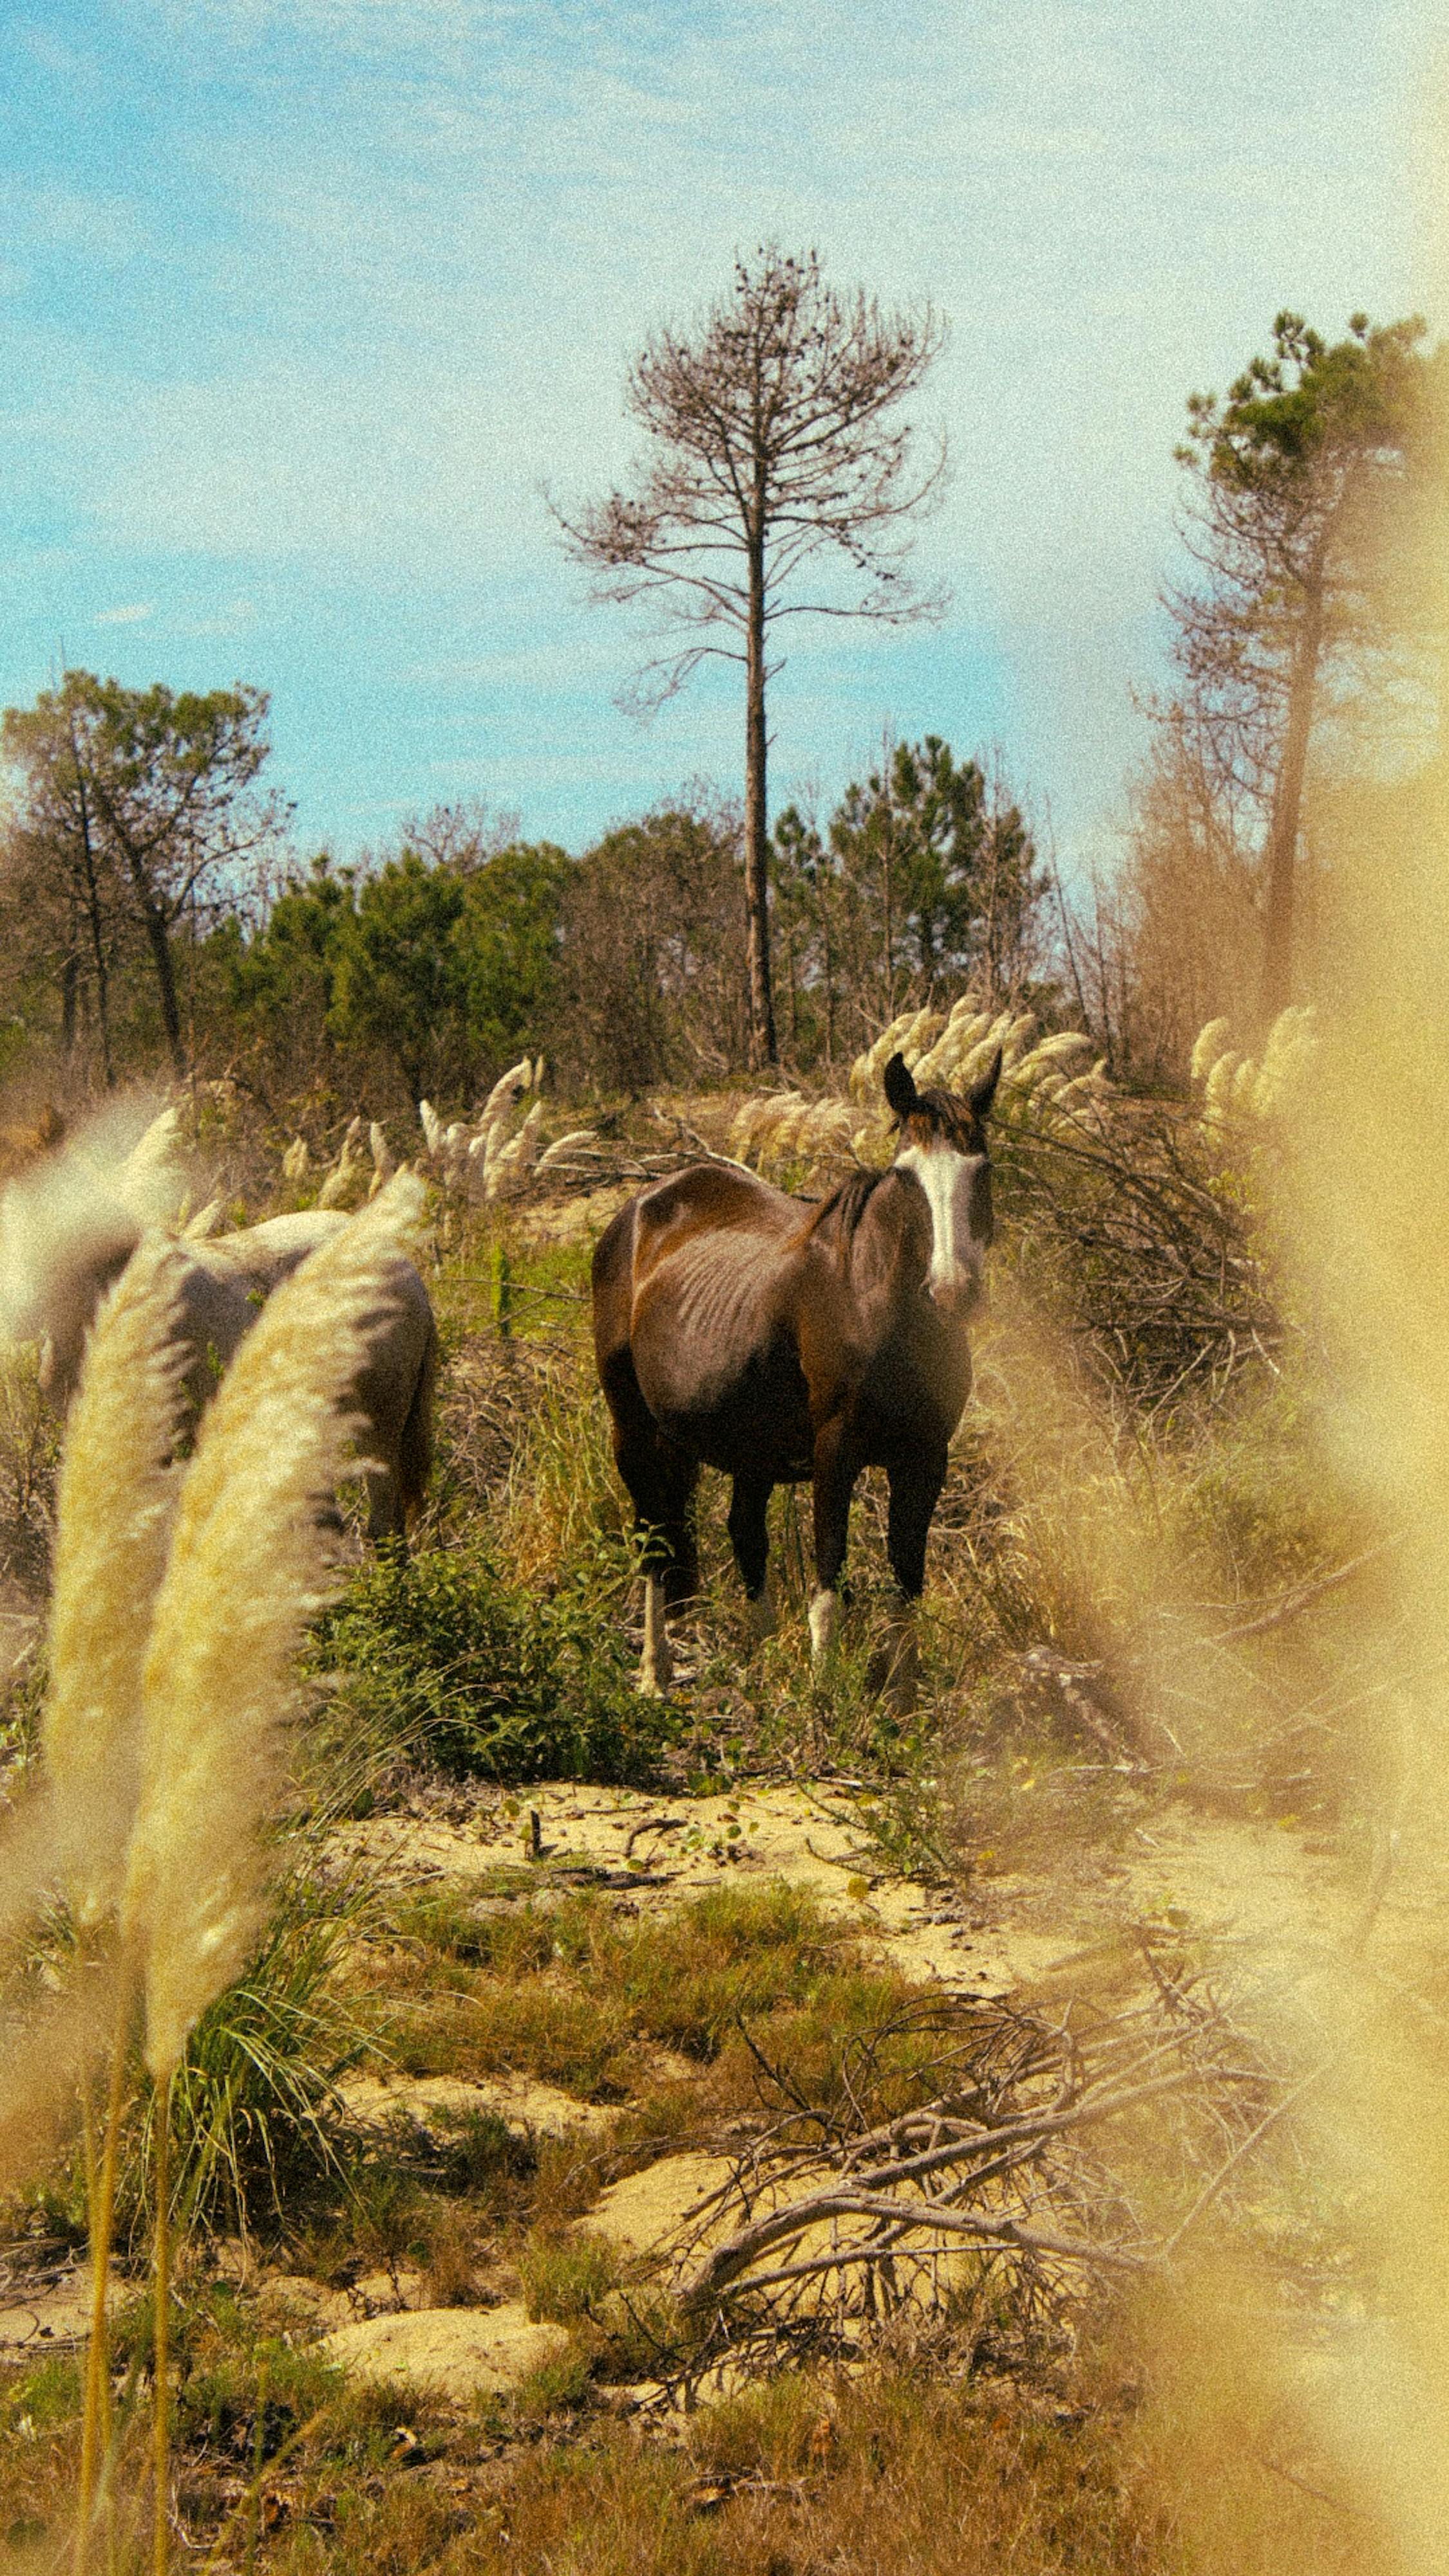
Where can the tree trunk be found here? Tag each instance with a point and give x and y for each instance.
(763, 1047)
(93, 917)
(160, 942)
(890, 930)
(69, 993)
(1280, 857)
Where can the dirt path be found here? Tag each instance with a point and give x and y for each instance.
(660, 1851)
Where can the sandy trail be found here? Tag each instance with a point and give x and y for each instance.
(657, 1852)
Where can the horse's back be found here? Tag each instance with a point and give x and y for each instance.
(712, 1215)
(230, 1277)
(709, 1198)
(268, 1253)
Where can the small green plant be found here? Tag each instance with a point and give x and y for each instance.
(565, 2278)
(554, 2387)
(254, 2105)
(488, 1678)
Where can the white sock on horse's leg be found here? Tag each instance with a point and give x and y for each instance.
(761, 1617)
(824, 1620)
(656, 1666)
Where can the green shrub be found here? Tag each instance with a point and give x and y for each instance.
(565, 2278)
(485, 1678)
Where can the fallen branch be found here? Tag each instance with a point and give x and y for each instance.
(1303, 1596)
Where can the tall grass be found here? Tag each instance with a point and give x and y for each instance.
(169, 1680)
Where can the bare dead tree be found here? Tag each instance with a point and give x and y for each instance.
(774, 443)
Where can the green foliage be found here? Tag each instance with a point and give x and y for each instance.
(243, 2398)
(254, 2102)
(399, 978)
(48, 2392)
(441, 963)
(132, 801)
(930, 865)
(650, 971)
(925, 882)
(289, 965)
(487, 1678)
(447, 964)
(566, 2278)
(508, 936)
(1363, 396)
(554, 2387)
(1325, 461)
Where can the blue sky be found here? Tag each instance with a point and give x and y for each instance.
(302, 301)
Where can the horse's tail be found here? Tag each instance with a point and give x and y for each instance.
(415, 1445)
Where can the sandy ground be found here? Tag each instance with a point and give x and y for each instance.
(1280, 1893)
(663, 1850)
(1275, 1892)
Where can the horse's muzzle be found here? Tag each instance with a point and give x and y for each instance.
(958, 1297)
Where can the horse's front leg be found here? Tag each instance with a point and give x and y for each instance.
(915, 1486)
(836, 1469)
(750, 1539)
(385, 1518)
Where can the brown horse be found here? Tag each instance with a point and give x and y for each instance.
(786, 1343)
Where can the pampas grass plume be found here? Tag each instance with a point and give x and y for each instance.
(249, 1564)
(116, 1500)
(1210, 1044)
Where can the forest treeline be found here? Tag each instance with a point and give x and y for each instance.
(150, 908)
(155, 909)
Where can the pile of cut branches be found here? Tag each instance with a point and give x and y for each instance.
(1150, 1249)
(1041, 2157)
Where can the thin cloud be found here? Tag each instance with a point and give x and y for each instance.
(135, 615)
(231, 620)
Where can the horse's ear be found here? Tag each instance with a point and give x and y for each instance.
(900, 1087)
(982, 1093)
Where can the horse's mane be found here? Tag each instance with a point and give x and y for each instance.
(845, 1206)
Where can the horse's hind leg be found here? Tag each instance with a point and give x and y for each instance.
(659, 1479)
(914, 1491)
(385, 1518)
(750, 1539)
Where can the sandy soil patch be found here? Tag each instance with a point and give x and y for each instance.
(660, 1851)
(58, 2312)
(529, 2108)
(646, 2209)
(464, 2352)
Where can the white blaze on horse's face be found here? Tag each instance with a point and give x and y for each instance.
(958, 1194)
